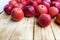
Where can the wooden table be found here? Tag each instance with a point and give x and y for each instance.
(26, 29)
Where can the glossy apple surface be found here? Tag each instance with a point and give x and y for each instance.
(58, 19)
(8, 8)
(13, 3)
(44, 20)
(29, 11)
(56, 4)
(53, 11)
(41, 9)
(17, 14)
(46, 4)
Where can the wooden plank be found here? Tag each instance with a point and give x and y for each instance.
(37, 32)
(56, 30)
(4, 19)
(25, 28)
(43, 33)
(48, 33)
(22, 30)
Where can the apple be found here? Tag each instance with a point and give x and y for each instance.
(18, 1)
(44, 20)
(13, 3)
(56, 4)
(49, 1)
(24, 2)
(46, 4)
(38, 1)
(17, 14)
(34, 3)
(29, 11)
(53, 11)
(57, 0)
(8, 8)
(28, 1)
(57, 20)
(20, 5)
(41, 9)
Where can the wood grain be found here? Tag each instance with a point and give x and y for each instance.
(10, 30)
(56, 30)
(43, 33)
(26, 29)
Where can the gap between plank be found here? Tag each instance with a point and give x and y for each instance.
(53, 32)
(34, 29)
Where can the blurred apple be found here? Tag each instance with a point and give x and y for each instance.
(49, 1)
(18, 1)
(33, 3)
(8, 8)
(29, 11)
(58, 19)
(46, 4)
(57, 0)
(24, 2)
(44, 20)
(38, 1)
(53, 11)
(20, 5)
(17, 14)
(41, 9)
(13, 3)
(56, 4)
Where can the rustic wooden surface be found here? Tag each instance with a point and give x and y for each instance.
(26, 29)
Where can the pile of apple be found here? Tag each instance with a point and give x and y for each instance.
(44, 10)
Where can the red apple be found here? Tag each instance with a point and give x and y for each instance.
(56, 4)
(29, 11)
(18, 1)
(44, 20)
(8, 8)
(46, 4)
(41, 9)
(58, 19)
(24, 2)
(53, 11)
(17, 14)
(20, 5)
(57, 0)
(13, 3)
(49, 1)
(38, 1)
(34, 3)
(28, 1)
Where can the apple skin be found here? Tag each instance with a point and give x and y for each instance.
(38, 1)
(57, 0)
(53, 11)
(49, 1)
(8, 8)
(17, 14)
(34, 3)
(57, 20)
(44, 20)
(13, 3)
(56, 4)
(24, 2)
(18, 1)
(28, 1)
(41, 9)
(46, 4)
(20, 5)
(29, 11)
